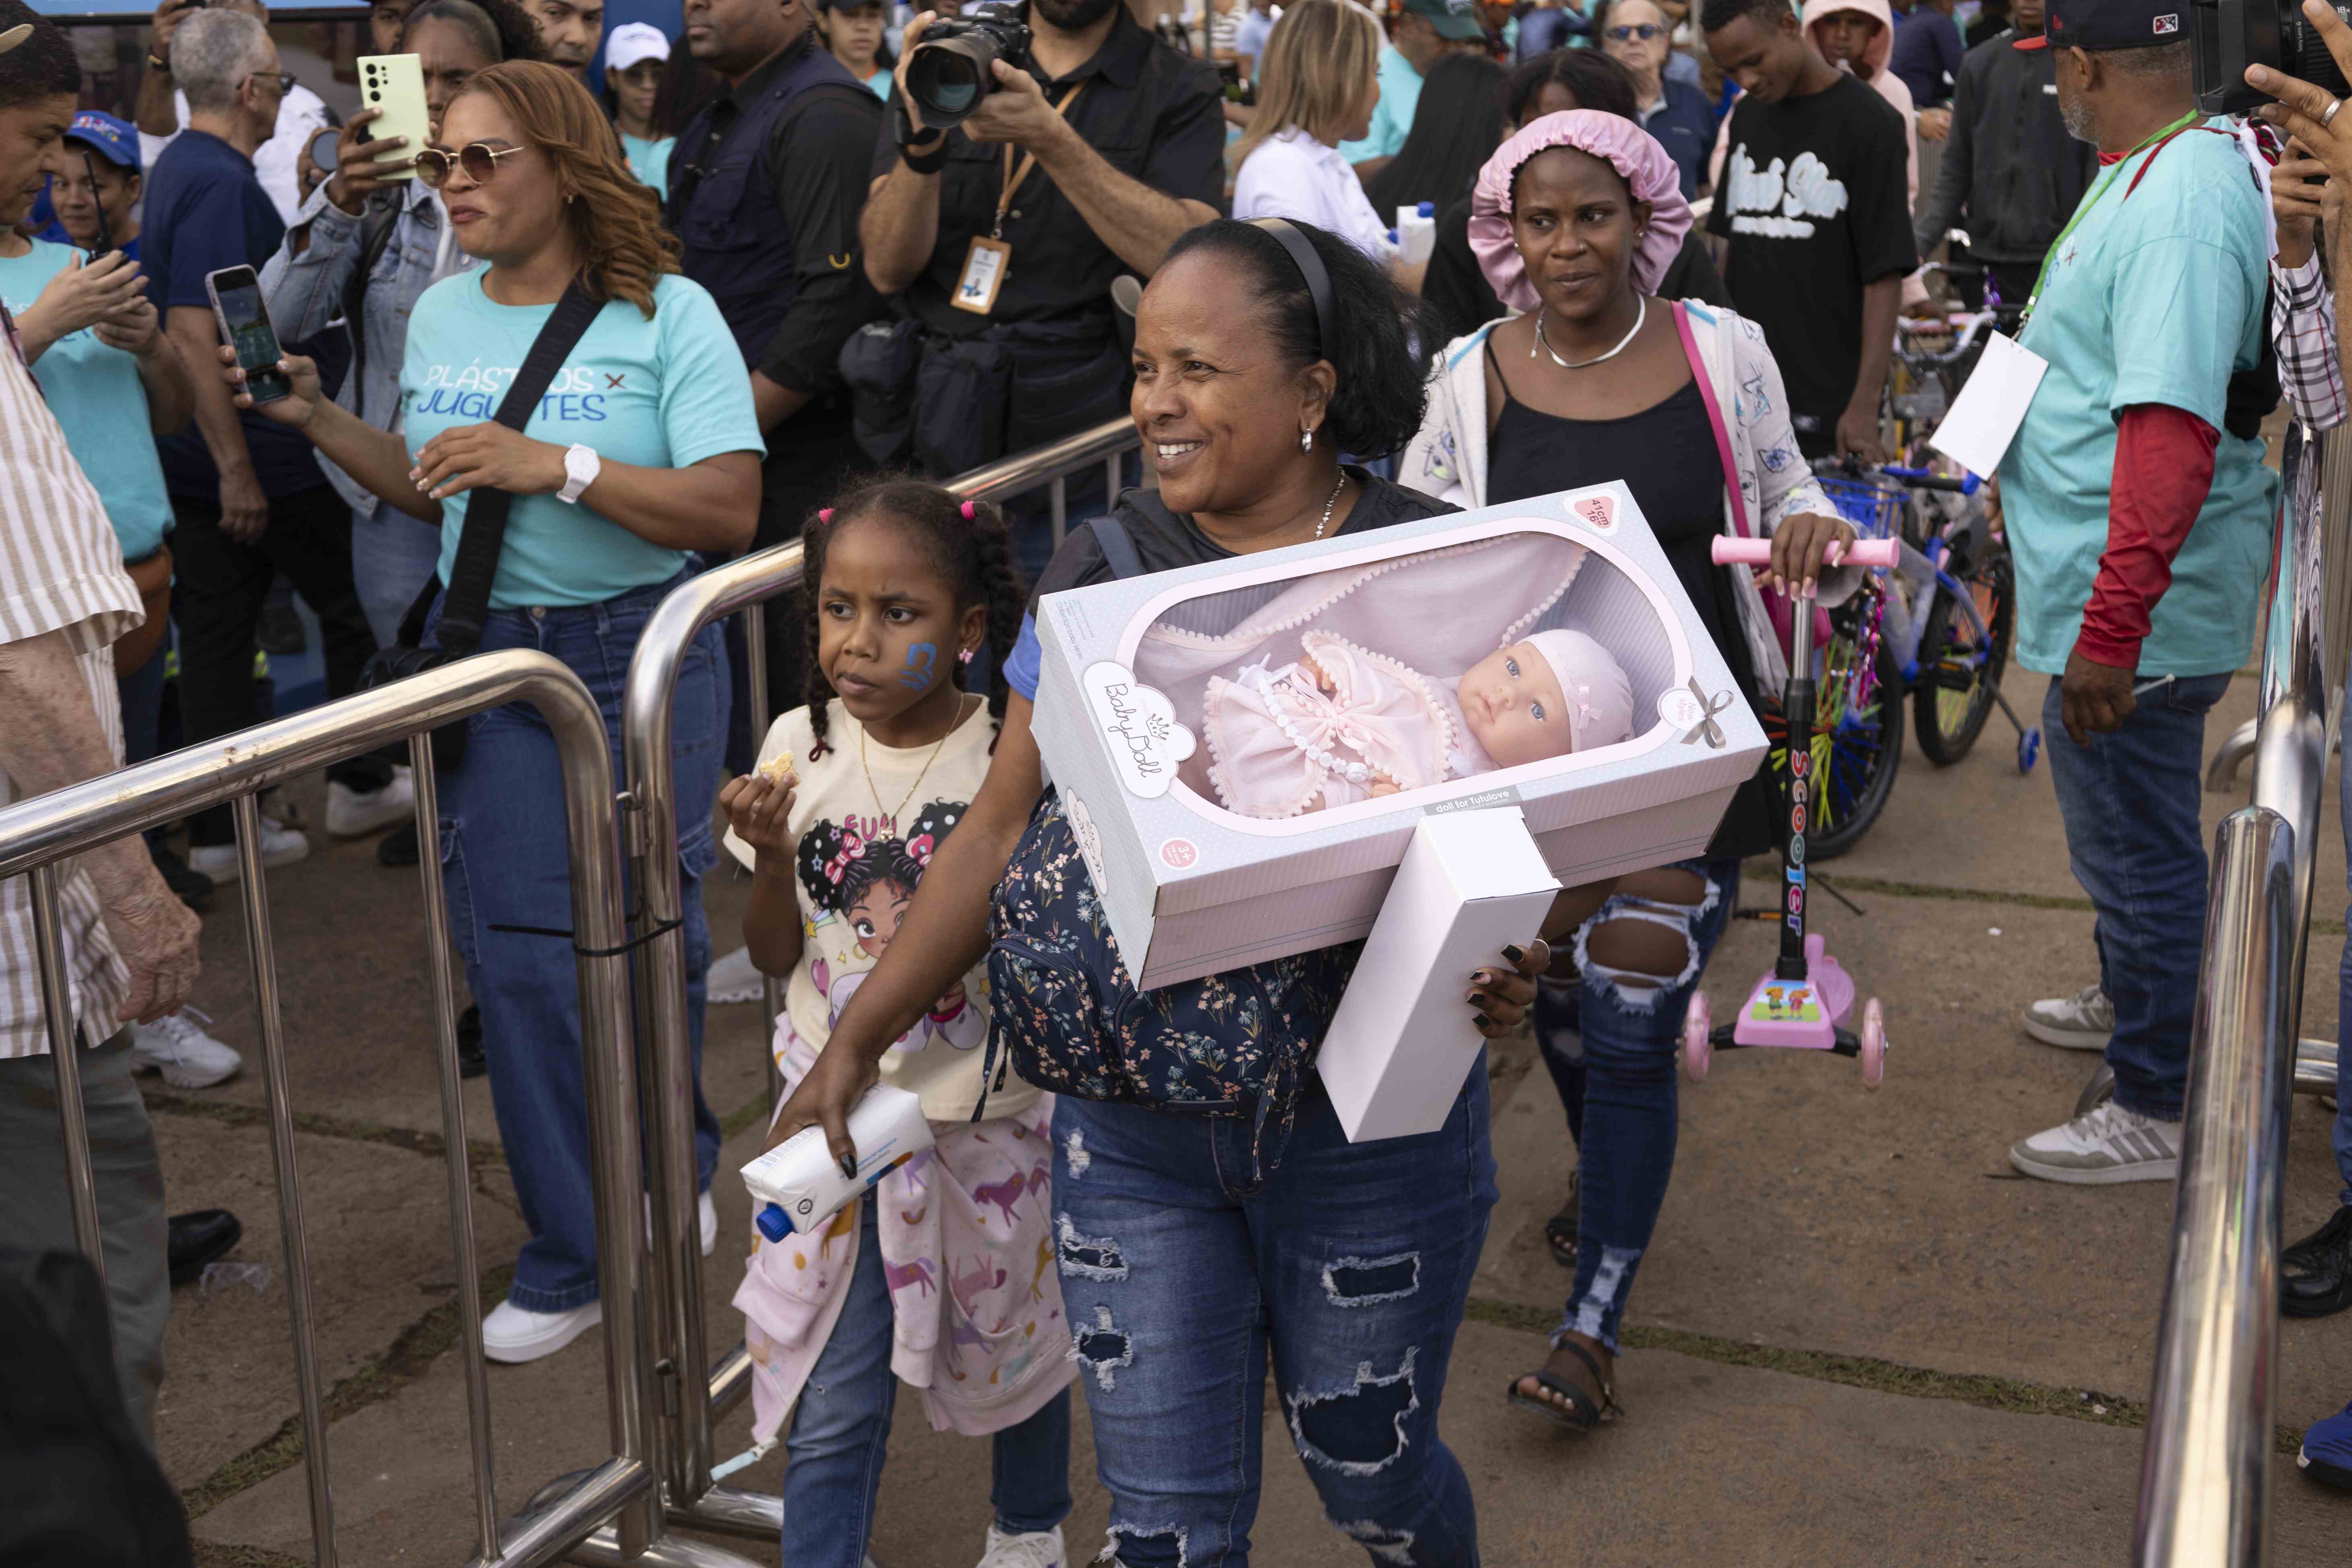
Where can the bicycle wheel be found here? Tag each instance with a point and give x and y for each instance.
(1857, 743)
(1959, 677)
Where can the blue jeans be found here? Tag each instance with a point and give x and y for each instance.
(504, 855)
(2130, 803)
(392, 555)
(1348, 1263)
(841, 1429)
(1609, 1039)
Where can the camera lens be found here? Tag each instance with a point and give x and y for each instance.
(946, 80)
(2305, 52)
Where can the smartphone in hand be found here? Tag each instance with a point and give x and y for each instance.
(245, 326)
(394, 85)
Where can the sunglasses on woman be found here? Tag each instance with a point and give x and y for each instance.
(478, 159)
(1644, 31)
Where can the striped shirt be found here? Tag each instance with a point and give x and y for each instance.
(60, 571)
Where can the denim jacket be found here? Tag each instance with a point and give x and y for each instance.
(304, 293)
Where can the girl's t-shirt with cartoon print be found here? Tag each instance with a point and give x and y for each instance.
(864, 843)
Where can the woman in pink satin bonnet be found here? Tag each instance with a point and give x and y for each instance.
(1341, 724)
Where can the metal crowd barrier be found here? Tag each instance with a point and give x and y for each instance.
(2206, 1475)
(37, 834)
(693, 1393)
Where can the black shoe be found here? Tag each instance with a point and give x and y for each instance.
(2315, 1273)
(471, 1062)
(280, 630)
(202, 1236)
(190, 886)
(398, 847)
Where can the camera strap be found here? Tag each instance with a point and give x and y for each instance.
(467, 604)
(1015, 176)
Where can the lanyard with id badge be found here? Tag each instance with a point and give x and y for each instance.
(990, 257)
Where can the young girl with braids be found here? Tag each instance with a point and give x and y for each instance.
(943, 1276)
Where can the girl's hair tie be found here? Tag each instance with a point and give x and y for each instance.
(967, 510)
(824, 516)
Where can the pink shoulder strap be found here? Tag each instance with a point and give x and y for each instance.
(1714, 418)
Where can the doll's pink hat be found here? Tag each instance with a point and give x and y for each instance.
(1600, 697)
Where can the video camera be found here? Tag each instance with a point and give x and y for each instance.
(948, 73)
(2225, 37)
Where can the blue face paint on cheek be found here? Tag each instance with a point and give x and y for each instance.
(920, 657)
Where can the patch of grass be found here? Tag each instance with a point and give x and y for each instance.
(231, 1113)
(379, 1378)
(212, 1555)
(742, 1116)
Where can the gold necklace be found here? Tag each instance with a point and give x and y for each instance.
(891, 817)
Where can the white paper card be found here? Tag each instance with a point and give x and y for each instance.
(1984, 419)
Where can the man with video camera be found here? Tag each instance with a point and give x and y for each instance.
(2316, 1272)
(1039, 154)
(2140, 513)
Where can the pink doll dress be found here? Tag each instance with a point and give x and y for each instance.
(1278, 741)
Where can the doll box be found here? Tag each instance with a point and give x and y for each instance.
(1189, 887)
(1403, 1040)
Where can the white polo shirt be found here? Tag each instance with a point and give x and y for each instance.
(1291, 174)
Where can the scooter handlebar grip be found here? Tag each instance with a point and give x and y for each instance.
(1759, 552)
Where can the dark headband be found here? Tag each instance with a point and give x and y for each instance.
(1310, 268)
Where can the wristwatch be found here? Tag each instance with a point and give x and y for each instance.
(580, 467)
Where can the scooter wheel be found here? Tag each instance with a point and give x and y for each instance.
(1873, 1044)
(1698, 1050)
(2028, 750)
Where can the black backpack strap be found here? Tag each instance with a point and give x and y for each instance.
(466, 606)
(1117, 548)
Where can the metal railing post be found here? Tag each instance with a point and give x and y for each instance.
(56, 1009)
(38, 833)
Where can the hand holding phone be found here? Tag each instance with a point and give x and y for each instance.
(245, 327)
(357, 173)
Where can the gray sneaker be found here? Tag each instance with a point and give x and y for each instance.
(2082, 1022)
(2103, 1146)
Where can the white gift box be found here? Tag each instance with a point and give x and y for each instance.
(1403, 1038)
(1190, 889)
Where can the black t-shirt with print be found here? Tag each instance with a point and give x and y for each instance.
(1815, 205)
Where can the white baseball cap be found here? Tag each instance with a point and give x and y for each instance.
(633, 41)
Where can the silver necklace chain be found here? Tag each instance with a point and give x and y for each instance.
(1641, 314)
(1329, 501)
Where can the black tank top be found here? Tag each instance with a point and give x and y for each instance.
(1666, 456)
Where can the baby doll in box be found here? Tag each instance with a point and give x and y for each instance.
(1367, 680)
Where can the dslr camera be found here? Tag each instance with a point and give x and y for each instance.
(2225, 37)
(948, 73)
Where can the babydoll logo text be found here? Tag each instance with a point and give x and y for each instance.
(1138, 726)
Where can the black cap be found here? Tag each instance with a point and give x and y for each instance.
(2102, 25)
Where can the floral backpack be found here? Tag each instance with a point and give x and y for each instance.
(1234, 1044)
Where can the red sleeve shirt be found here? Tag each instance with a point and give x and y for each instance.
(2164, 469)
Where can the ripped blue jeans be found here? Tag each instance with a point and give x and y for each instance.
(1609, 1036)
(1348, 1266)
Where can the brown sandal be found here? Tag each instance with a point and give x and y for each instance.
(1582, 1415)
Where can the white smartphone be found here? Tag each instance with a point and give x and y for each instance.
(395, 84)
(245, 326)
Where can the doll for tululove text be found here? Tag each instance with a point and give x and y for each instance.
(1342, 724)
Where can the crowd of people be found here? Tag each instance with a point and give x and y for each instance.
(636, 304)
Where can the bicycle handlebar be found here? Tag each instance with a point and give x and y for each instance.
(1759, 552)
(1928, 479)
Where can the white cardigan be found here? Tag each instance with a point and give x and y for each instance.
(1447, 458)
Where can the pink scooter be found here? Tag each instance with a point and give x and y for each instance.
(1797, 1002)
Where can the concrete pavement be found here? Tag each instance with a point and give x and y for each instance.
(1858, 1337)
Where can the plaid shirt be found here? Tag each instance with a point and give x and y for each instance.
(2302, 332)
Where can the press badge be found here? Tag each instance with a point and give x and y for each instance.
(984, 266)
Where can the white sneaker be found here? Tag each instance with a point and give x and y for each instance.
(186, 1057)
(705, 1211)
(279, 846)
(2082, 1022)
(1038, 1549)
(353, 814)
(735, 978)
(2106, 1146)
(515, 1334)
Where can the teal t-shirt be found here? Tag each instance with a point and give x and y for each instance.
(880, 82)
(649, 161)
(662, 393)
(2154, 297)
(1393, 115)
(101, 404)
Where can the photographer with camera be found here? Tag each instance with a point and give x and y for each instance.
(766, 183)
(2140, 513)
(1032, 156)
